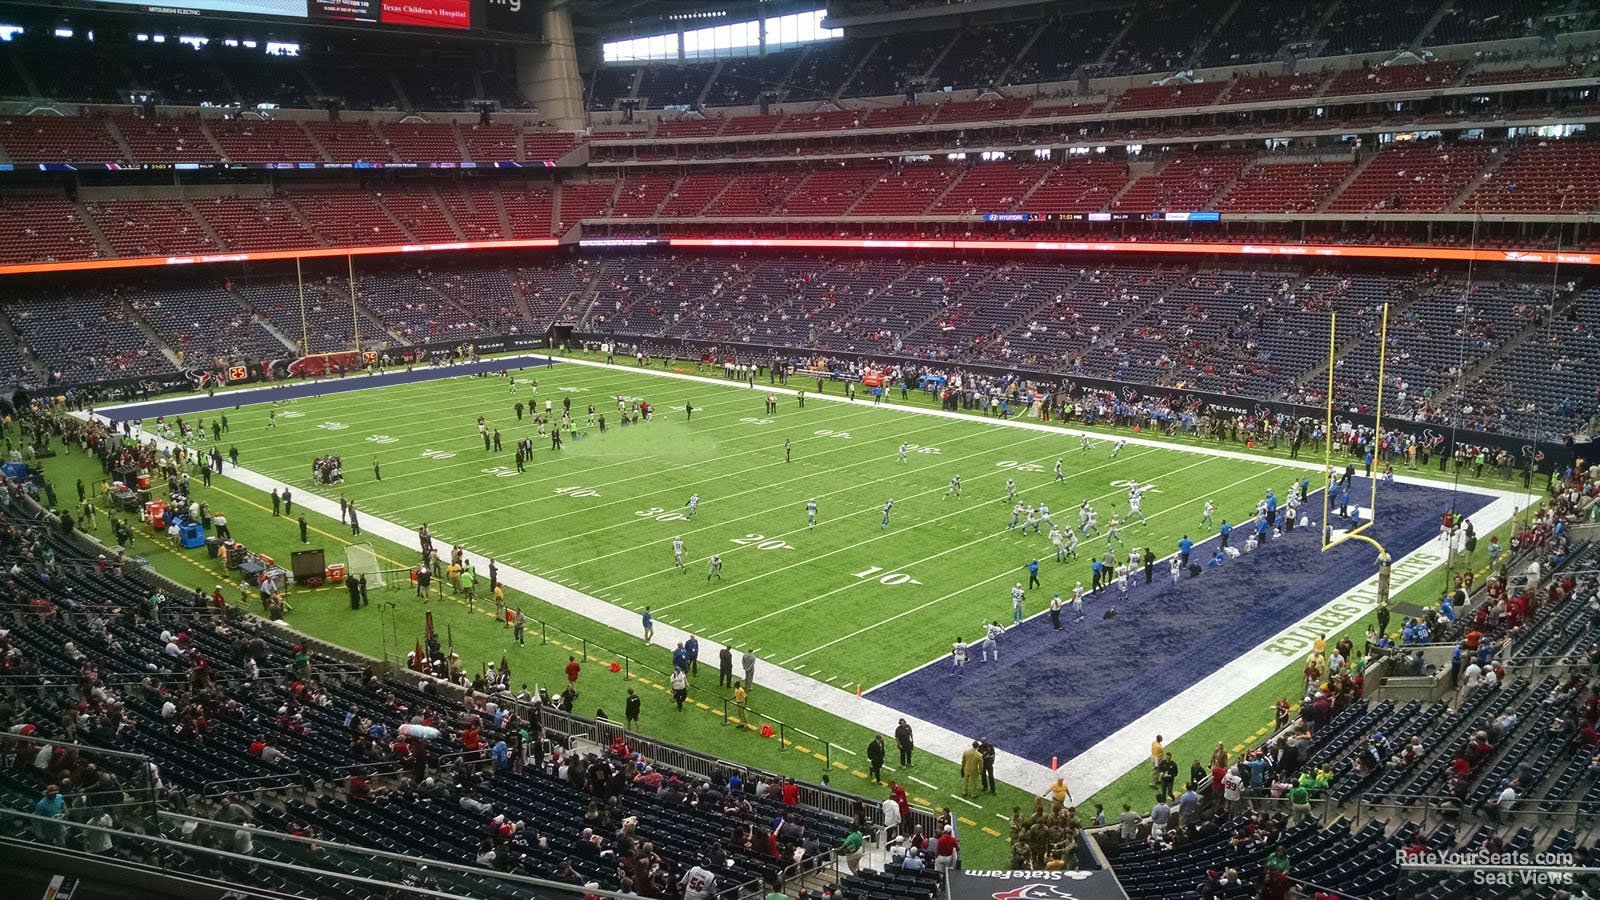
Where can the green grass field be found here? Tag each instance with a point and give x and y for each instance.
(600, 515)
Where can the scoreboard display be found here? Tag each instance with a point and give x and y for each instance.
(510, 16)
(455, 14)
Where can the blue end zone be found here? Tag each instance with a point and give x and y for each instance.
(1078, 686)
(199, 403)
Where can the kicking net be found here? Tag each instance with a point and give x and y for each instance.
(361, 559)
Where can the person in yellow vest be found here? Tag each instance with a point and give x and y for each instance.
(741, 699)
(469, 583)
(1156, 754)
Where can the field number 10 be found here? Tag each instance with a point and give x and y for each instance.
(891, 579)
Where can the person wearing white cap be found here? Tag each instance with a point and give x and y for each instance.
(948, 850)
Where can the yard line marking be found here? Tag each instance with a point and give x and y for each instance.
(966, 801)
(469, 449)
(900, 615)
(342, 406)
(858, 582)
(845, 549)
(434, 486)
(761, 489)
(1027, 422)
(588, 509)
(874, 507)
(931, 787)
(465, 446)
(857, 486)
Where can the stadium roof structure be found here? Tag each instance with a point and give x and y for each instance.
(608, 16)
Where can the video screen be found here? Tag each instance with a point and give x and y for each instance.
(454, 14)
(288, 8)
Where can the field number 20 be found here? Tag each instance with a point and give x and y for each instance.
(892, 578)
(762, 542)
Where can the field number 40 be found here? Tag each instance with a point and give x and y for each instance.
(891, 579)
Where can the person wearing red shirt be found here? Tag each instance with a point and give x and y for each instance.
(898, 795)
(947, 849)
(572, 670)
(791, 792)
(469, 738)
(1588, 736)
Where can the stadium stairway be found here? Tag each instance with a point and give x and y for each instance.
(1319, 373)
(150, 334)
(265, 323)
(93, 227)
(1530, 331)
(205, 226)
(9, 332)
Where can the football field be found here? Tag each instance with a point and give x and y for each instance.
(849, 601)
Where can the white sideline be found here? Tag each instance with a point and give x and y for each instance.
(1091, 771)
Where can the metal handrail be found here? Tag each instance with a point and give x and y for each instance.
(187, 849)
(429, 862)
(671, 756)
(32, 739)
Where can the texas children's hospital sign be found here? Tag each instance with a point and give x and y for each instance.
(1025, 885)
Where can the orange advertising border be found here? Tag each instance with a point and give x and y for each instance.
(143, 262)
(1355, 251)
(1347, 251)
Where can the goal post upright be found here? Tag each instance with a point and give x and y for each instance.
(1327, 435)
(1358, 532)
(1377, 418)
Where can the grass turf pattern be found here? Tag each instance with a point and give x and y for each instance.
(846, 602)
